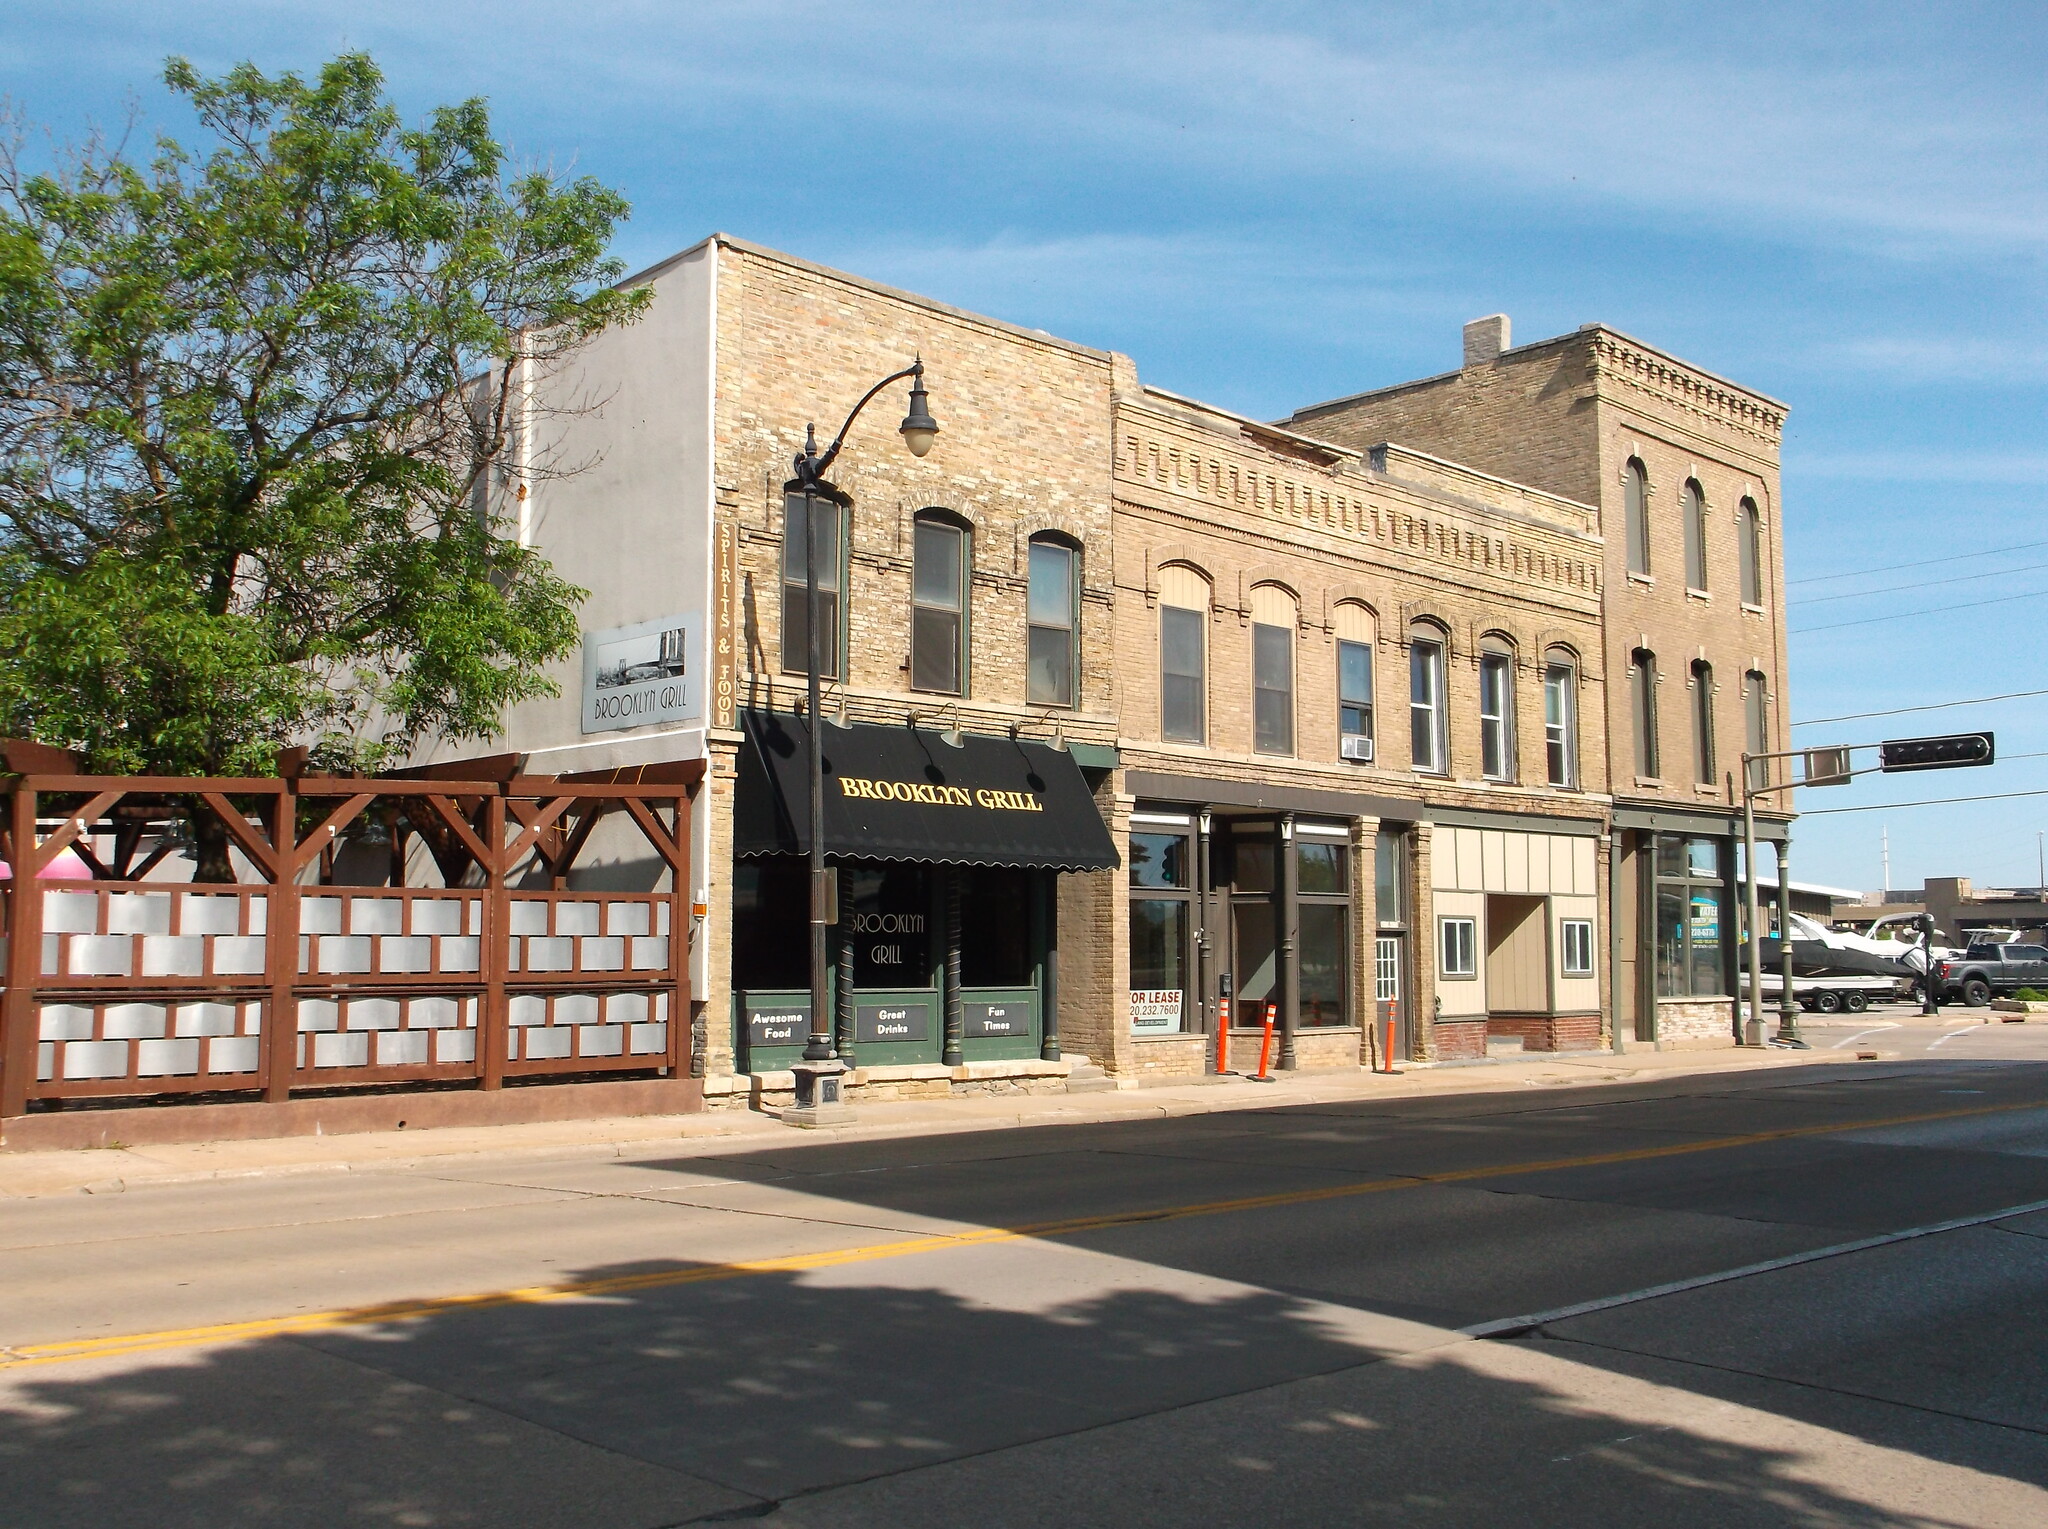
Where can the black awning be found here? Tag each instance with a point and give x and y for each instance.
(899, 793)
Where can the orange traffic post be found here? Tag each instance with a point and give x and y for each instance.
(1265, 1046)
(1222, 1036)
(1387, 1037)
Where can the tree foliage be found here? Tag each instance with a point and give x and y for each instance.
(255, 405)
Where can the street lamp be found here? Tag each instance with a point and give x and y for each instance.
(819, 1072)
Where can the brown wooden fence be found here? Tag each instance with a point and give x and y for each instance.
(123, 986)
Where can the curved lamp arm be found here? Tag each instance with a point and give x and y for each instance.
(810, 466)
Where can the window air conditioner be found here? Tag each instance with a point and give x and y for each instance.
(1355, 746)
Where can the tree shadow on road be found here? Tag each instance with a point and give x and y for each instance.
(935, 1389)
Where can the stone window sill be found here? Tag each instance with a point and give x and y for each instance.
(1647, 580)
(1754, 610)
(1698, 594)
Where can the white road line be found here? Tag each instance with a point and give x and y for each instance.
(1861, 1033)
(1951, 1036)
(1514, 1327)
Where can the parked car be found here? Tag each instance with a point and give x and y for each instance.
(1992, 971)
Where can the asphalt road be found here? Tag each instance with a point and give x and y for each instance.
(1442, 1310)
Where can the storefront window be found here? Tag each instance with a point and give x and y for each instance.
(995, 927)
(1162, 922)
(1691, 921)
(891, 910)
(1389, 867)
(1323, 945)
(1254, 930)
(1322, 940)
(1159, 860)
(1321, 866)
(771, 908)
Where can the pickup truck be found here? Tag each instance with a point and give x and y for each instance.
(1984, 972)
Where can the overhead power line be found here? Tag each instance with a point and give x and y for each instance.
(1893, 589)
(1925, 562)
(1900, 711)
(1937, 801)
(1931, 610)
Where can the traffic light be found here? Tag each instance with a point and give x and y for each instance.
(1949, 753)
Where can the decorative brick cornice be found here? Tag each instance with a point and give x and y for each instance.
(1638, 368)
(1264, 493)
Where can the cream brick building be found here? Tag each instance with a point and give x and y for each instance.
(1338, 696)
(1683, 468)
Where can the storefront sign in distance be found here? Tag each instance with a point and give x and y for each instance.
(877, 1022)
(784, 1024)
(1155, 1010)
(986, 1019)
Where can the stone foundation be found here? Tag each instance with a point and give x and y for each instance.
(923, 1080)
(1548, 1032)
(1457, 1040)
(1694, 1024)
(1162, 1058)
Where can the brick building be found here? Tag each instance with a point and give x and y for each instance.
(1682, 467)
(1334, 696)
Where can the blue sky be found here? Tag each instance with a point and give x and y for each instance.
(1845, 206)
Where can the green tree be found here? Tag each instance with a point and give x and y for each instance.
(257, 404)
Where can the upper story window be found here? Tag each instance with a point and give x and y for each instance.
(1642, 703)
(1756, 727)
(830, 551)
(1693, 509)
(938, 606)
(1750, 545)
(1703, 722)
(1496, 711)
(1183, 641)
(1560, 718)
(1355, 633)
(1427, 740)
(1273, 625)
(1636, 510)
(1051, 618)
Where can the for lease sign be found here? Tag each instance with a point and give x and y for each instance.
(1154, 1010)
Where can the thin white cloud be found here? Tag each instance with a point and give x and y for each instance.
(1903, 133)
(1937, 464)
(1958, 358)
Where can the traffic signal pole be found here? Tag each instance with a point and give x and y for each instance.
(1829, 767)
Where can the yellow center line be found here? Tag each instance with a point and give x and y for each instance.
(24, 1355)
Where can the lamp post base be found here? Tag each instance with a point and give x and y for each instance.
(820, 1100)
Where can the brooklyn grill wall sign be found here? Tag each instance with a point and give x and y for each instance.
(904, 794)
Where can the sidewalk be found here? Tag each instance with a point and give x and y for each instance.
(113, 1170)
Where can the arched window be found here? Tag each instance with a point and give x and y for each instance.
(1642, 701)
(830, 551)
(1426, 718)
(1636, 494)
(1750, 544)
(1496, 709)
(1356, 631)
(938, 604)
(1692, 504)
(1561, 718)
(1183, 642)
(1274, 620)
(1703, 722)
(1051, 618)
(1756, 727)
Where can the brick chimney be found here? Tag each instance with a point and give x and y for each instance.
(1486, 338)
